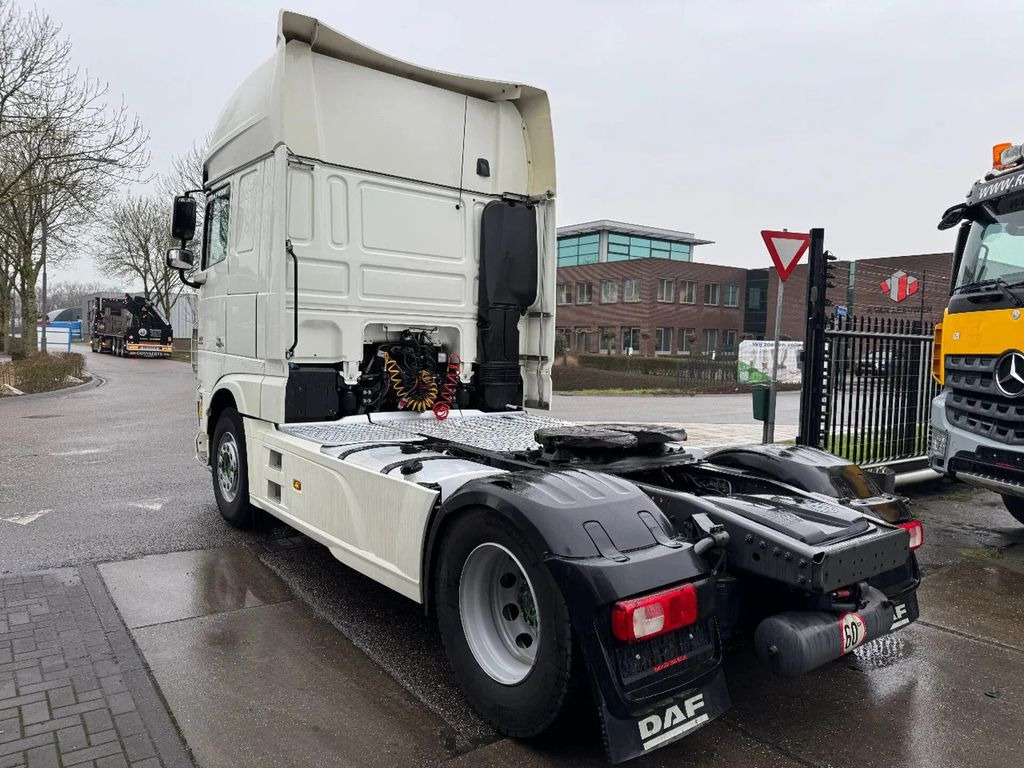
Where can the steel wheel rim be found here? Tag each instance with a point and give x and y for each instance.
(498, 607)
(227, 467)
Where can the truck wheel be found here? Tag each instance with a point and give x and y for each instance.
(1015, 506)
(504, 624)
(230, 470)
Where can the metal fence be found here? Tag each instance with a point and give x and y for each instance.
(877, 389)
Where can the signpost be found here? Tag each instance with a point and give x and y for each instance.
(786, 249)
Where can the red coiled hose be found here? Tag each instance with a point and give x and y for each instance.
(451, 383)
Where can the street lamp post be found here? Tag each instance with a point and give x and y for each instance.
(42, 337)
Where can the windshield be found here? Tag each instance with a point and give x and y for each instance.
(995, 249)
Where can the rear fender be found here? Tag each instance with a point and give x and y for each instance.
(603, 539)
(819, 472)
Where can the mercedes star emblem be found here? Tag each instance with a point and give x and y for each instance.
(1010, 374)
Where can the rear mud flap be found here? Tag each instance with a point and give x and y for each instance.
(670, 720)
(904, 611)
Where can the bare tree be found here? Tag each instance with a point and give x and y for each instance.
(133, 241)
(74, 293)
(65, 147)
(135, 231)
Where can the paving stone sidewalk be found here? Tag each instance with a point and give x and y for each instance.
(73, 688)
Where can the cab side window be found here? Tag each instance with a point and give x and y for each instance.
(215, 228)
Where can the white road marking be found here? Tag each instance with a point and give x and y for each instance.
(153, 505)
(27, 518)
(82, 452)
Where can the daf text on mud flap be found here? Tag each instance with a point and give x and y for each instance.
(657, 729)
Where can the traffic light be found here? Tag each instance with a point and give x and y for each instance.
(830, 270)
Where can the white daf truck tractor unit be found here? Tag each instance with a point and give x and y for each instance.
(376, 330)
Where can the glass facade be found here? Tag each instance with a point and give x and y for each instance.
(573, 251)
(625, 247)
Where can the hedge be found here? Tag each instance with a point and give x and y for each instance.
(42, 373)
(682, 370)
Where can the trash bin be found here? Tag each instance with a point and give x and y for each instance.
(762, 396)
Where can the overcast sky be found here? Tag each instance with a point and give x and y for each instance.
(719, 118)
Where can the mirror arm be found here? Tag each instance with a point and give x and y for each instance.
(181, 272)
(186, 281)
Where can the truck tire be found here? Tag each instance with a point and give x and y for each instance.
(230, 470)
(1015, 506)
(505, 625)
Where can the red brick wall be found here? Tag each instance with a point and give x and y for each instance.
(649, 314)
(869, 300)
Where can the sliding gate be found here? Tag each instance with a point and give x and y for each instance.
(876, 389)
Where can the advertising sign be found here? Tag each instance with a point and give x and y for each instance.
(755, 361)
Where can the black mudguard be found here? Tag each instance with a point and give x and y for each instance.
(817, 471)
(604, 540)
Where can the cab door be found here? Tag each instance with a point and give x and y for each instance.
(212, 338)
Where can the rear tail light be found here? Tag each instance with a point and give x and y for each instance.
(916, 531)
(655, 614)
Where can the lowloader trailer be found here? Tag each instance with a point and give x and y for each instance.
(376, 331)
(129, 327)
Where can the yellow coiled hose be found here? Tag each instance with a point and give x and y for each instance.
(421, 396)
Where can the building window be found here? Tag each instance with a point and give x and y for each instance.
(624, 247)
(711, 294)
(666, 289)
(573, 251)
(732, 296)
(607, 340)
(583, 339)
(686, 337)
(609, 291)
(564, 293)
(631, 289)
(729, 342)
(687, 292)
(663, 341)
(631, 340)
(584, 293)
(710, 342)
(753, 298)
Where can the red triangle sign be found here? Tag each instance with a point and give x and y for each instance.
(786, 249)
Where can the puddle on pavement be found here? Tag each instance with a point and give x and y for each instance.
(182, 585)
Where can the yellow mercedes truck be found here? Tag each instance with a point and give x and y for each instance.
(978, 358)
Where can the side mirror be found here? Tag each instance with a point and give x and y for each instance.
(183, 220)
(953, 216)
(180, 258)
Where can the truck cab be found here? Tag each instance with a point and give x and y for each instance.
(978, 417)
(376, 330)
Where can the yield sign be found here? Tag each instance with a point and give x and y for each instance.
(785, 248)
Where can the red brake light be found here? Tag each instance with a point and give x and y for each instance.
(916, 531)
(655, 614)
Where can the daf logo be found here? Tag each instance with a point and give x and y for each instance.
(1010, 374)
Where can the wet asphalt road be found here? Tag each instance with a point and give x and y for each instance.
(111, 470)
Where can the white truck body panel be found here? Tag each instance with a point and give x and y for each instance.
(367, 166)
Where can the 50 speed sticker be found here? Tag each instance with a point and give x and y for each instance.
(852, 631)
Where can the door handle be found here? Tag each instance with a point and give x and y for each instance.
(220, 342)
